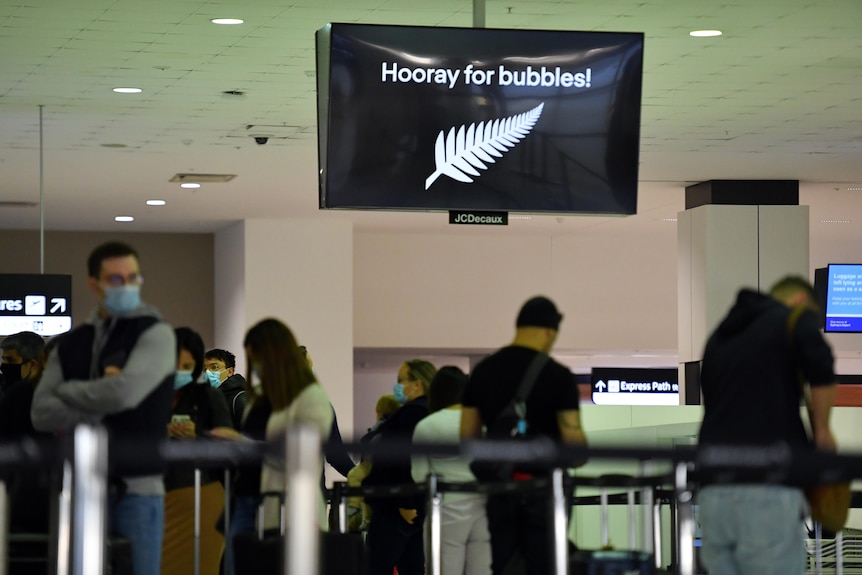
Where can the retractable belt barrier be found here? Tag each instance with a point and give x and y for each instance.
(84, 456)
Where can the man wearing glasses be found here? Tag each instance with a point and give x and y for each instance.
(117, 369)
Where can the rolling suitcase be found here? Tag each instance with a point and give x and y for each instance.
(262, 552)
(609, 561)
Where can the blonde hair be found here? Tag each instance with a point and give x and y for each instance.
(386, 405)
(422, 370)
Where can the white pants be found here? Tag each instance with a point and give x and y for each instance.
(466, 544)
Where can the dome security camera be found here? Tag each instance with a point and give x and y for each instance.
(261, 140)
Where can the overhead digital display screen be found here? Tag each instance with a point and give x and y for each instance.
(433, 118)
(843, 298)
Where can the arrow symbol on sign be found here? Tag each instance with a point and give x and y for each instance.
(59, 305)
(600, 385)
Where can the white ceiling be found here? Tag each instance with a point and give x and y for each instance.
(778, 96)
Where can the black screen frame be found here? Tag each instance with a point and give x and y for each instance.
(583, 189)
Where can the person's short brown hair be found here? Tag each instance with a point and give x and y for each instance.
(107, 251)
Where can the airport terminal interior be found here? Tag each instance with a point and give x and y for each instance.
(264, 169)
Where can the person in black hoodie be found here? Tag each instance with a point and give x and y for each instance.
(221, 373)
(395, 533)
(754, 365)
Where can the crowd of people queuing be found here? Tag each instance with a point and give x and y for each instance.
(129, 370)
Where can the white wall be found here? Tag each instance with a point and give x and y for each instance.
(463, 291)
(300, 272)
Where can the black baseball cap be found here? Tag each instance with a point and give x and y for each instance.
(539, 311)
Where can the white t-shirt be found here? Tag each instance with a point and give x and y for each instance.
(442, 426)
(312, 407)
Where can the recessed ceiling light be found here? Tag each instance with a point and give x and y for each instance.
(854, 189)
(520, 217)
(227, 21)
(128, 90)
(156, 202)
(124, 219)
(836, 221)
(190, 185)
(704, 33)
(667, 219)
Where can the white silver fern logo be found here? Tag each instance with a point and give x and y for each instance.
(459, 154)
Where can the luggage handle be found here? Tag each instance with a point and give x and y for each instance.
(261, 512)
(605, 505)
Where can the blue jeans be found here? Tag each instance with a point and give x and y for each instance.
(141, 520)
(241, 520)
(752, 529)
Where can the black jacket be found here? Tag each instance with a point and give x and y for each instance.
(397, 431)
(750, 373)
(233, 389)
(145, 424)
(207, 409)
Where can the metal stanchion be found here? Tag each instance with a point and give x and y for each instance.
(685, 521)
(339, 502)
(301, 485)
(89, 501)
(4, 529)
(603, 499)
(197, 527)
(647, 542)
(656, 524)
(839, 553)
(64, 521)
(227, 496)
(560, 518)
(630, 504)
(435, 514)
(818, 548)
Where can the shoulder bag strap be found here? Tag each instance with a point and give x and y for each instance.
(530, 377)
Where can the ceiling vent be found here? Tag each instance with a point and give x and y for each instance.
(202, 178)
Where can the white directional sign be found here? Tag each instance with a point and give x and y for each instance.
(635, 386)
(24, 303)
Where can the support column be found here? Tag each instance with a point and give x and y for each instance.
(297, 271)
(732, 234)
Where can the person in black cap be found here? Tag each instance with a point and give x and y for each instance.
(520, 523)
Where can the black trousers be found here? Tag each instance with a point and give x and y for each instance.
(520, 524)
(392, 542)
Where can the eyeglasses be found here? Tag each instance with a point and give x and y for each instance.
(215, 367)
(118, 280)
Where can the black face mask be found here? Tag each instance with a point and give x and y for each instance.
(11, 372)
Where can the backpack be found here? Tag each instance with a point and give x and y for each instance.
(510, 423)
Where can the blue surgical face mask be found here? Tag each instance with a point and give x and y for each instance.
(214, 377)
(182, 379)
(120, 300)
(398, 392)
